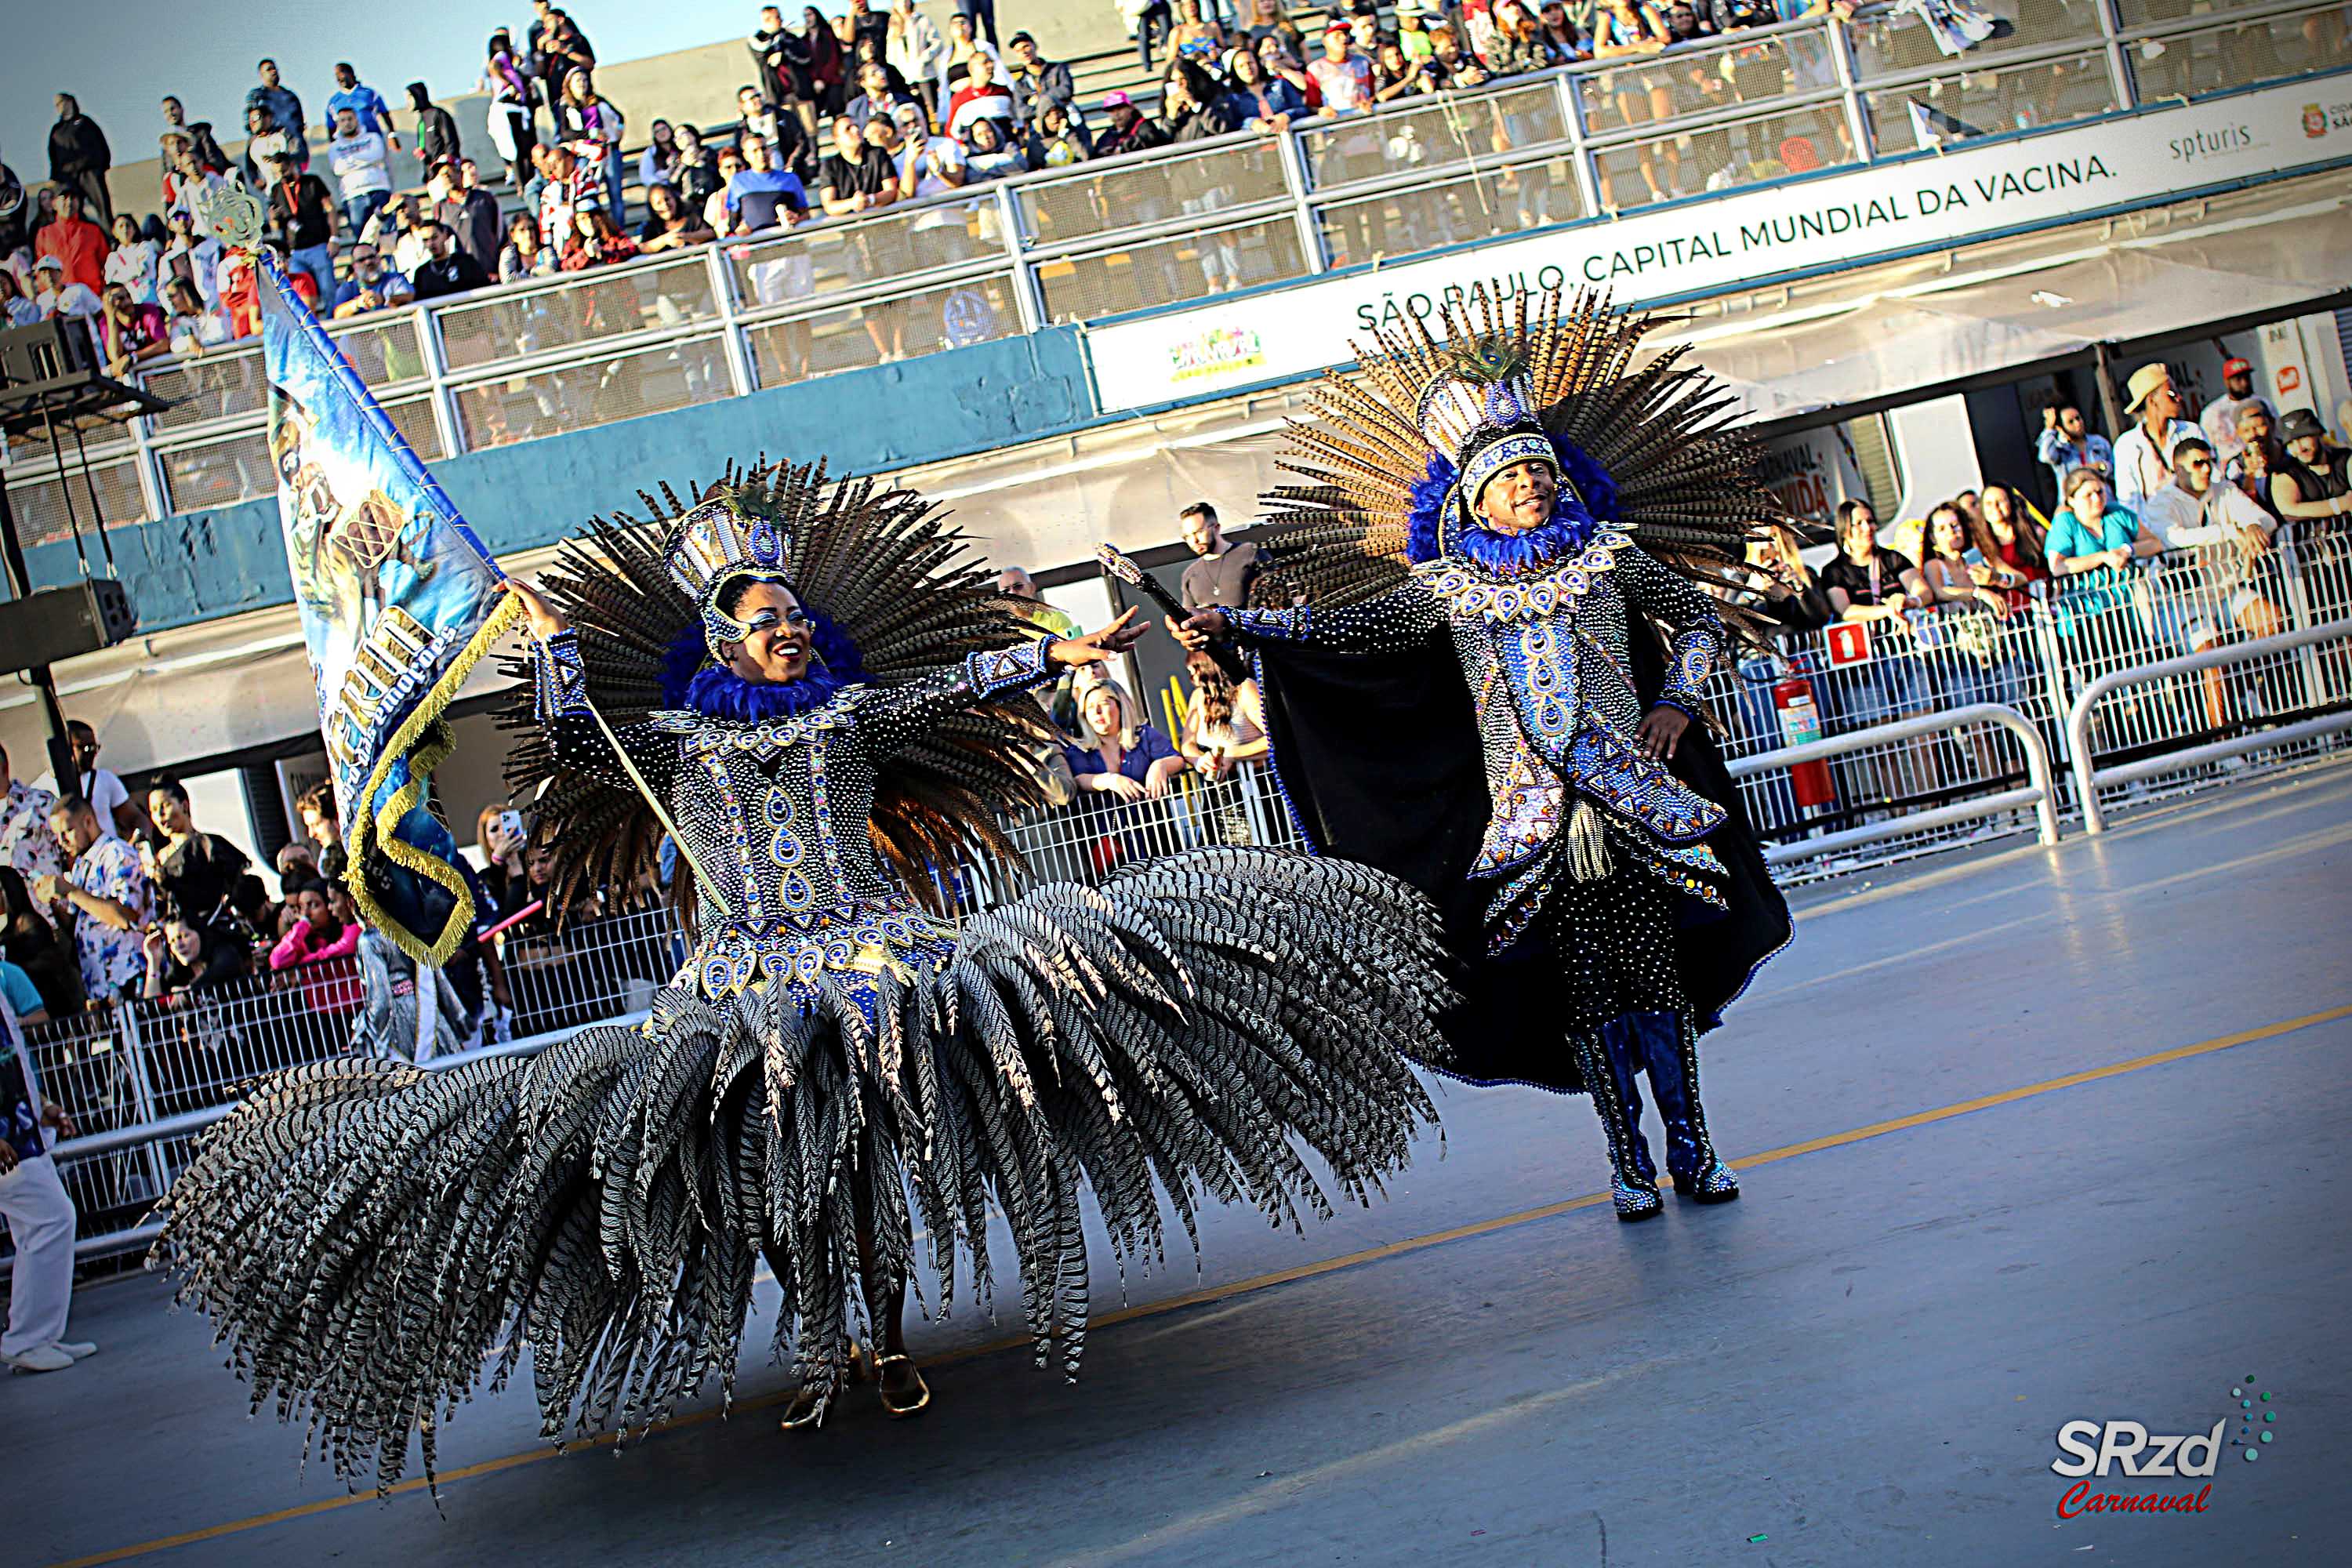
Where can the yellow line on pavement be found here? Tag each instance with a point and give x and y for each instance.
(1259, 1283)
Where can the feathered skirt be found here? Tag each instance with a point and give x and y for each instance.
(368, 1235)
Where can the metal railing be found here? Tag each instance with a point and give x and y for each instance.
(2038, 662)
(2090, 777)
(2040, 792)
(1177, 225)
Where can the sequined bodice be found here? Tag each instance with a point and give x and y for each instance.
(1546, 659)
(775, 815)
(758, 803)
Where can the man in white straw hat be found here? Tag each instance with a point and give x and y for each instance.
(2144, 452)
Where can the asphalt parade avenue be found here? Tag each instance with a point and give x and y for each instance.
(2028, 1137)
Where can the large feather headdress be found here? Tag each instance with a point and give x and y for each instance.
(1394, 452)
(883, 566)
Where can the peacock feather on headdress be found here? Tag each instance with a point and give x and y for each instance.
(1394, 454)
(896, 590)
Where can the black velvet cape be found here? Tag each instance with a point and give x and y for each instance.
(1380, 757)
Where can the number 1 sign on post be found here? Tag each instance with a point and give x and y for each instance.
(1849, 643)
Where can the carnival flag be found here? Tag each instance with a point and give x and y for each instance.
(398, 601)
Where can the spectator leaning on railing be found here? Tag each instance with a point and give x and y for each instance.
(2009, 545)
(763, 196)
(128, 332)
(670, 224)
(1261, 102)
(1128, 130)
(2232, 535)
(185, 955)
(2094, 531)
(2310, 486)
(318, 935)
(597, 240)
(1118, 756)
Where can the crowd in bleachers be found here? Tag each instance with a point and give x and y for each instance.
(846, 113)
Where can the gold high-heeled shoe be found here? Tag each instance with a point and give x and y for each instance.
(809, 1403)
(900, 1406)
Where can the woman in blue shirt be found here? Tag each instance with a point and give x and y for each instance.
(1117, 754)
(2092, 531)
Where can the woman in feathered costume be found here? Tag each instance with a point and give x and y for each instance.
(1487, 521)
(830, 701)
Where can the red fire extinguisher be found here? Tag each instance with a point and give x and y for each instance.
(1800, 721)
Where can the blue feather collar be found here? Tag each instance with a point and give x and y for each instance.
(716, 692)
(1571, 528)
(1538, 550)
(690, 680)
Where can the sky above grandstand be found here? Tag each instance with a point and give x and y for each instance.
(119, 58)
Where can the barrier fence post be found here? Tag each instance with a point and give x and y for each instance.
(1293, 176)
(1857, 122)
(2119, 74)
(143, 1091)
(731, 336)
(2299, 613)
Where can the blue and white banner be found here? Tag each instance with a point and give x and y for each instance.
(398, 601)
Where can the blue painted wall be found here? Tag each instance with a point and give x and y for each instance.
(198, 565)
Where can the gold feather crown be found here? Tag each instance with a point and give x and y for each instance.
(1666, 433)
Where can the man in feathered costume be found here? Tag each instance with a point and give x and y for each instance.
(1487, 522)
(829, 701)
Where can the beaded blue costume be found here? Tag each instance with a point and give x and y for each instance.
(837, 1065)
(1609, 905)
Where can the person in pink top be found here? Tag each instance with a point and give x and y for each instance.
(318, 935)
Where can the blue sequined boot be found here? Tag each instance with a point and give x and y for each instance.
(1672, 1057)
(1612, 1067)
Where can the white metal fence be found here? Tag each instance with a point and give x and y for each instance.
(1179, 225)
(2040, 660)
